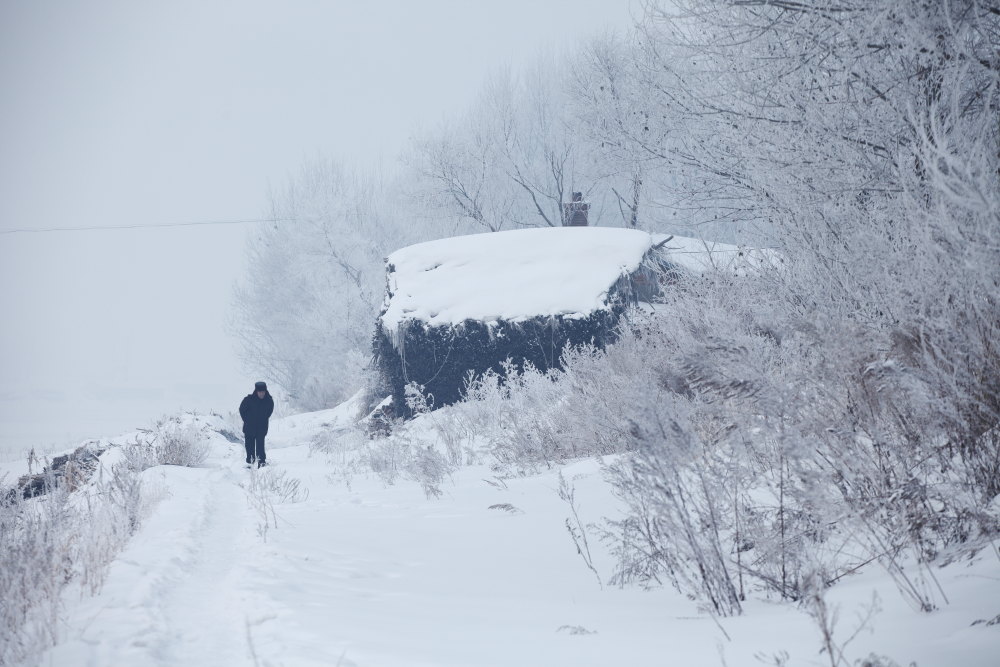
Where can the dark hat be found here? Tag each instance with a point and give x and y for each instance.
(260, 386)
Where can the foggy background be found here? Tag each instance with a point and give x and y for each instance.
(140, 114)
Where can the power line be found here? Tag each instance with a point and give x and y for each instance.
(201, 223)
(28, 230)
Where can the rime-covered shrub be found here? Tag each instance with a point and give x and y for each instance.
(520, 417)
(180, 445)
(853, 392)
(61, 537)
(429, 468)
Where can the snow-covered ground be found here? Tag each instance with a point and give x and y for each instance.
(361, 573)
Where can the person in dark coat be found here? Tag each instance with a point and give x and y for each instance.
(255, 410)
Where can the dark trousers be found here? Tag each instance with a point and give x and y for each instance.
(255, 447)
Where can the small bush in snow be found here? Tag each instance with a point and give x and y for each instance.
(430, 468)
(388, 458)
(417, 401)
(268, 487)
(180, 445)
(139, 456)
(277, 485)
(342, 447)
(411, 451)
(521, 418)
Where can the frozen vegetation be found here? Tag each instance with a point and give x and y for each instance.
(424, 548)
(796, 464)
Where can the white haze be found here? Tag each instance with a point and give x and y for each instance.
(124, 113)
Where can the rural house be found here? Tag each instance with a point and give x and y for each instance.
(460, 306)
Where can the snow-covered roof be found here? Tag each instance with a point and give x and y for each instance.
(512, 275)
(519, 274)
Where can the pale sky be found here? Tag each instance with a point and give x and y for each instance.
(139, 113)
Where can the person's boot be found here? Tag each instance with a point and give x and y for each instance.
(261, 463)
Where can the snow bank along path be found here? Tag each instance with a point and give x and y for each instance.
(369, 575)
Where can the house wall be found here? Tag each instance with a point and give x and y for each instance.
(442, 358)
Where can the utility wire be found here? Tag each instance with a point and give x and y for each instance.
(28, 230)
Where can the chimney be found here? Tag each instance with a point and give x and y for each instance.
(575, 212)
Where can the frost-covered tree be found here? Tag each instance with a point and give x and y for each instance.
(850, 390)
(305, 312)
(514, 158)
(610, 108)
(866, 136)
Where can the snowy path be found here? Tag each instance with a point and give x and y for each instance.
(210, 632)
(367, 575)
(171, 595)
